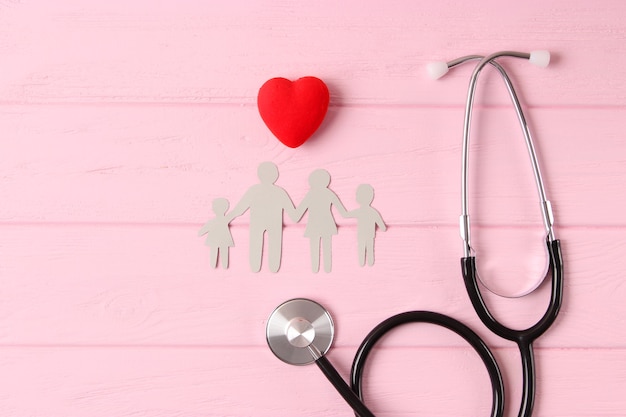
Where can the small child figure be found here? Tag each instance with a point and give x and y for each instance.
(367, 220)
(219, 238)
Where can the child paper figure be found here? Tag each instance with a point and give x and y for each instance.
(267, 202)
(219, 238)
(321, 224)
(367, 220)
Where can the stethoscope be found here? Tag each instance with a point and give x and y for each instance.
(301, 331)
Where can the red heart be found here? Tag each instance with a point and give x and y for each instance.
(293, 110)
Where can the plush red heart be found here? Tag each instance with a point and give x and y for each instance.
(293, 110)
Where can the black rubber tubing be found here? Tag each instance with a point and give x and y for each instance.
(353, 394)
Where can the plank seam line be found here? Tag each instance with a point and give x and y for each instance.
(251, 102)
(186, 224)
(263, 347)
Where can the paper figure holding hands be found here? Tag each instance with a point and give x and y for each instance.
(367, 220)
(219, 238)
(321, 224)
(267, 202)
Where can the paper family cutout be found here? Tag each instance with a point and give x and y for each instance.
(267, 203)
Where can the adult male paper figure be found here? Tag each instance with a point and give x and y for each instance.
(267, 202)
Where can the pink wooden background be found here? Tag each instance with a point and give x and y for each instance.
(121, 121)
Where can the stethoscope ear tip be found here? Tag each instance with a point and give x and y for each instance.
(437, 69)
(540, 58)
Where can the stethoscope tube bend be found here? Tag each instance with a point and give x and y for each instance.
(523, 338)
(495, 376)
(470, 277)
(297, 328)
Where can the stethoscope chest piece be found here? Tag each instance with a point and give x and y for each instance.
(299, 330)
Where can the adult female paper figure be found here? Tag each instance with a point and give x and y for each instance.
(321, 224)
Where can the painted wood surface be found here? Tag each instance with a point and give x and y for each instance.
(121, 121)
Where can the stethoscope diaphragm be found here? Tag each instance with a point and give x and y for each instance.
(299, 330)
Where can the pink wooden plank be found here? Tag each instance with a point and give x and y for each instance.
(167, 163)
(122, 121)
(203, 52)
(163, 382)
(152, 285)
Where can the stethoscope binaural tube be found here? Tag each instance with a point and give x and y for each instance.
(539, 58)
(546, 208)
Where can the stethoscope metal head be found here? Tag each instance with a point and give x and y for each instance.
(300, 331)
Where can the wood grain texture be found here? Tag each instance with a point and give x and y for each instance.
(120, 122)
(166, 163)
(167, 382)
(154, 297)
(200, 51)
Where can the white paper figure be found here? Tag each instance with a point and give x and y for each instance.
(321, 224)
(367, 220)
(266, 202)
(219, 238)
